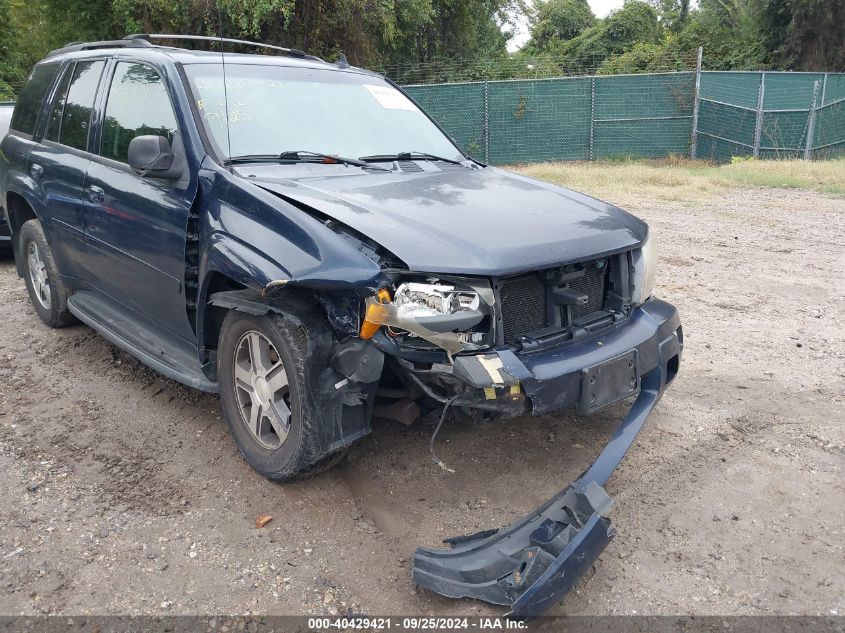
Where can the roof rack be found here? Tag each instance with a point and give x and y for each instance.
(144, 40)
(293, 52)
(72, 47)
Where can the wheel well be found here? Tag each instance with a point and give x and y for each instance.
(213, 315)
(19, 212)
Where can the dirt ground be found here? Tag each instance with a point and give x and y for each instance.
(122, 493)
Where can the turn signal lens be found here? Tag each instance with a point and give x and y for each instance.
(375, 314)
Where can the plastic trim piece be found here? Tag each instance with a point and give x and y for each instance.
(533, 563)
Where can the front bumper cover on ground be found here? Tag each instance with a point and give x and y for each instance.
(534, 562)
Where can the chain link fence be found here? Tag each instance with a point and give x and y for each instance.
(770, 115)
(704, 114)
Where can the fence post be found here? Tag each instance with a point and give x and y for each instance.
(487, 122)
(758, 125)
(694, 140)
(811, 123)
(824, 90)
(592, 116)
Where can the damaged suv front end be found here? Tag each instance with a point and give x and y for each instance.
(581, 336)
(521, 343)
(446, 286)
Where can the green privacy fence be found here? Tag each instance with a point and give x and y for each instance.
(714, 115)
(771, 115)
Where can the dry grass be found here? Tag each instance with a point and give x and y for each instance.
(681, 179)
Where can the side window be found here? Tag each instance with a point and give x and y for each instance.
(138, 104)
(76, 118)
(54, 121)
(32, 98)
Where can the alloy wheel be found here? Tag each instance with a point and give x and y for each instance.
(38, 275)
(262, 389)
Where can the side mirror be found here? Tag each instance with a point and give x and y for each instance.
(153, 157)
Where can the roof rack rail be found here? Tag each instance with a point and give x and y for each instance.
(147, 37)
(89, 46)
(144, 40)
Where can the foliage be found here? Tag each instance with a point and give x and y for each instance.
(635, 23)
(642, 58)
(448, 40)
(556, 20)
(804, 34)
(735, 35)
(673, 14)
(372, 33)
(9, 73)
(728, 31)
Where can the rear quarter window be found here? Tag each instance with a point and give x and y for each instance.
(32, 98)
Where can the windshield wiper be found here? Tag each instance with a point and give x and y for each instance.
(408, 156)
(301, 156)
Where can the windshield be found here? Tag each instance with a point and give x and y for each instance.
(272, 109)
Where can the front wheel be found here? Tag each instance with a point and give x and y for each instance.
(46, 290)
(262, 364)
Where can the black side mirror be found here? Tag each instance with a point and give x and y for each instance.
(153, 157)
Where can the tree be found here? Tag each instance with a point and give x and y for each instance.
(9, 73)
(635, 23)
(673, 14)
(558, 20)
(729, 31)
(804, 34)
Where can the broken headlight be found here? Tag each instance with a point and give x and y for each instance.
(449, 314)
(644, 269)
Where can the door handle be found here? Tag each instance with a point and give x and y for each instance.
(36, 170)
(96, 194)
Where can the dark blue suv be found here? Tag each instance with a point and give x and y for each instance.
(302, 238)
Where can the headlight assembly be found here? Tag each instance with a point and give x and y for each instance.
(444, 313)
(644, 270)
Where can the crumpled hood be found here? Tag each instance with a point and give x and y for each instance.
(450, 219)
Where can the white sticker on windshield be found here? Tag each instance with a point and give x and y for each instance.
(390, 98)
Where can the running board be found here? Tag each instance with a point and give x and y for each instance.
(154, 346)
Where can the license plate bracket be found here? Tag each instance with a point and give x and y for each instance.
(609, 382)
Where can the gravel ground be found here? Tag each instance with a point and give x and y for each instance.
(123, 494)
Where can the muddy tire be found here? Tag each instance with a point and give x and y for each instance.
(262, 365)
(46, 290)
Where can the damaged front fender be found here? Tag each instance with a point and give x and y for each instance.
(534, 562)
(344, 376)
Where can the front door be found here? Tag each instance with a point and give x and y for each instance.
(136, 225)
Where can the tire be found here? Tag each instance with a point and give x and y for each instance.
(279, 451)
(46, 291)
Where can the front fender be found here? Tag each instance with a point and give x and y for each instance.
(239, 262)
(310, 253)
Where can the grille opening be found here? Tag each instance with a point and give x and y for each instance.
(523, 305)
(528, 305)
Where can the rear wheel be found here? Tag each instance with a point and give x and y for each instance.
(46, 290)
(262, 364)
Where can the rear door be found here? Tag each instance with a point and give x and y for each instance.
(16, 146)
(136, 226)
(59, 162)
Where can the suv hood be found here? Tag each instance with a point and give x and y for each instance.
(452, 219)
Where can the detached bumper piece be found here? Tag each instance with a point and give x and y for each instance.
(533, 563)
(529, 565)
